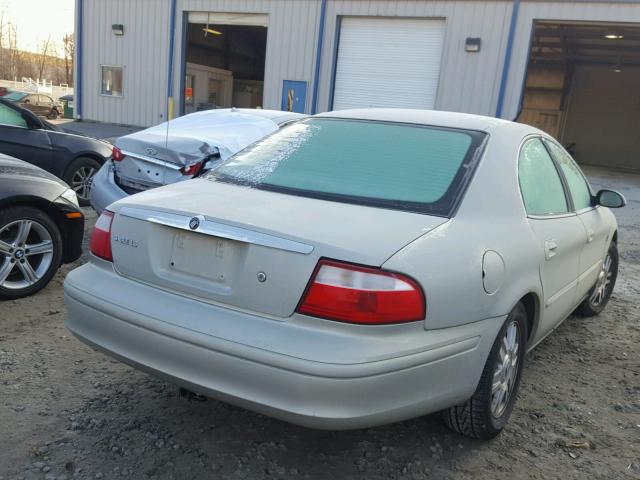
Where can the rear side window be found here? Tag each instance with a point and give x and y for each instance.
(400, 166)
(578, 186)
(540, 184)
(9, 116)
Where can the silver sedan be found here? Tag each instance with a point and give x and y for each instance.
(355, 268)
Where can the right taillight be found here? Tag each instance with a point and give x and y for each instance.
(101, 236)
(117, 154)
(354, 294)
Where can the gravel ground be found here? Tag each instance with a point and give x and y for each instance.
(69, 412)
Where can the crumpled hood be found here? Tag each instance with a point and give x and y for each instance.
(193, 137)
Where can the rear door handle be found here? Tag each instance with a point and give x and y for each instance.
(550, 249)
(590, 233)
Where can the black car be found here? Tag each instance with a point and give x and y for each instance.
(73, 158)
(39, 103)
(41, 227)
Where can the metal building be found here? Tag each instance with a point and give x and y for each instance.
(569, 67)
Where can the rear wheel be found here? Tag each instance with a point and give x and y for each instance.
(600, 294)
(486, 413)
(80, 177)
(30, 251)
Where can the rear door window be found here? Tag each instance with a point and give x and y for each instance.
(399, 166)
(540, 184)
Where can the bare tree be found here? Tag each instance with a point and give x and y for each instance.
(44, 49)
(15, 56)
(69, 50)
(4, 58)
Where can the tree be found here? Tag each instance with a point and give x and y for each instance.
(69, 50)
(44, 49)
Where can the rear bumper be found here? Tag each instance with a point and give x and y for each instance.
(104, 190)
(326, 378)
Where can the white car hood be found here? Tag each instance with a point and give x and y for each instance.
(193, 137)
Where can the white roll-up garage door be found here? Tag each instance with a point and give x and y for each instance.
(388, 62)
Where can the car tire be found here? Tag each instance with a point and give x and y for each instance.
(600, 293)
(53, 114)
(80, 175)
(23, 272)
(486, 413)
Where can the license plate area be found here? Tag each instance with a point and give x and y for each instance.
(138, 173)
(210, 258)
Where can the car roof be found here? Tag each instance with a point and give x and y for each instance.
(421, 117)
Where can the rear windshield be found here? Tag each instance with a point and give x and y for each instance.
(390, 165)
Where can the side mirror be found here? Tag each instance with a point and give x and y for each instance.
(610, 198)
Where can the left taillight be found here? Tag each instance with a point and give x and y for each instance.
(355, 294)
(192, 169)
(101, 236)
(116, 154)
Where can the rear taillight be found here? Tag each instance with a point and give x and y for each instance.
(101, 236)
(192, 169)
(354, 294)
(117, 154)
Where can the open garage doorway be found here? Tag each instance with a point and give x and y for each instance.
(224, 61)
(583, 87)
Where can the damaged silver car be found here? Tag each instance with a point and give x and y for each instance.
(180, 149)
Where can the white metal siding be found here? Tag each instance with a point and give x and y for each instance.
(388, 62)
(142, 51)
(469, 82)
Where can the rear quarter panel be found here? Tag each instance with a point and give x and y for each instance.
(448, 261)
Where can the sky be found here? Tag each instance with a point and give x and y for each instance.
(38, 19)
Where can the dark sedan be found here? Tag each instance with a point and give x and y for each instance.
(41, 227)
(73, 158)
(39, 103)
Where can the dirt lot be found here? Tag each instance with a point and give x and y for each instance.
(69, 412)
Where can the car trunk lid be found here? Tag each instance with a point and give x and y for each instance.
(247, 248)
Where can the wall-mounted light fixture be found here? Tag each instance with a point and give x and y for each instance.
(472, 45)
(118, 29)
(614, 36)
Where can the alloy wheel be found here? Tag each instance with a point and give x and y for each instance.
(26, 253)
(81, 181)
(602, 287)
(506, 370)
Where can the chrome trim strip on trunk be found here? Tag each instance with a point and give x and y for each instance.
(156, 161)
(216, 229)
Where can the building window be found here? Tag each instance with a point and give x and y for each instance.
(111, 81)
